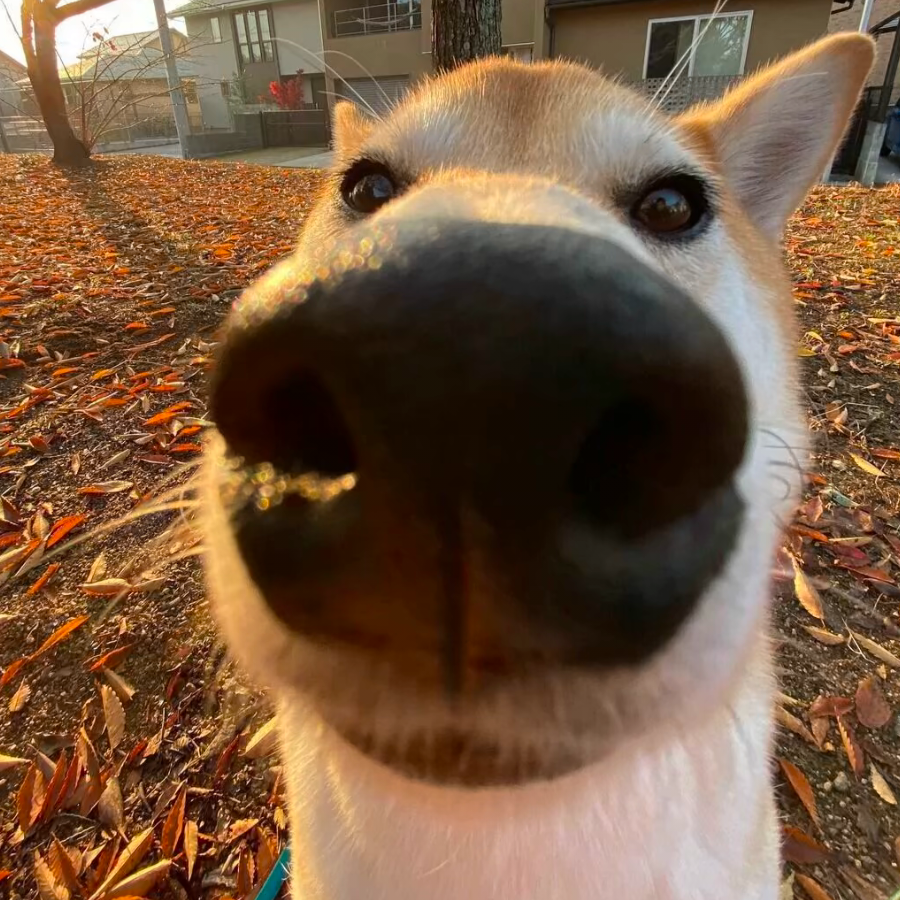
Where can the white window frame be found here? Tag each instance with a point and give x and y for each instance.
(697, 19)
(215, 28)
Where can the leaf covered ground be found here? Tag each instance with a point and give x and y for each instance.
(133, 760)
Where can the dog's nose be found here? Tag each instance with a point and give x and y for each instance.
(533, 398)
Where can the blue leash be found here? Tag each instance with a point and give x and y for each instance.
(277, 877)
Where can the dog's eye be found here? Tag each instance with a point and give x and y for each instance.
(672, 207)
(367, 187)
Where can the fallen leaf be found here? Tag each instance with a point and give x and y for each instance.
(9, 762)
(866, 466)
(98, 568)
(872, 709)
(264, 742)
(106, 587)
(130, 858)
(41, 583)
(240, 828)
(807, 595)
(123, 689)
(876, 650)
(140, 883)
(851, 747)
(830, 706)
(801, 849)
(107, 487)
(20, 698)
(802, 788)
(25, 799)
(813, 889)
(62, 867)
(792, 723)
(59, 635)
(110, 806)
(49, 887)
(881, 787)
(114, 714)
(245, 875)
(191, 840)
(110, 659)
(824, 637)
(115, 459)
(173, 826)
(63, 527)
(12, 670)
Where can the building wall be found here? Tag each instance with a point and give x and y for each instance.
(849, 21)
(615, 38)
(299, 23)
(10, 95)
(216, 63)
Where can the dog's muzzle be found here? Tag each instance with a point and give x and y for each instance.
(472, 447)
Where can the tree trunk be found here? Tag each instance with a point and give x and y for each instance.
(39, 43)
(463, 30)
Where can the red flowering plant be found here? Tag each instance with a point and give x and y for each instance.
(287, 94)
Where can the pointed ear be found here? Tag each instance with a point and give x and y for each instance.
(350, 126)
(775, 135)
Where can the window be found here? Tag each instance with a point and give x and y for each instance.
(216, 29)
(698, 45)
(520, 53)
(254, 36)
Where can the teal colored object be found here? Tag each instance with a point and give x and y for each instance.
(277, 877)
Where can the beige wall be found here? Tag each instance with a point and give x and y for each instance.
(517, 21)
(215, 63)
(615, 38)
(298, 22)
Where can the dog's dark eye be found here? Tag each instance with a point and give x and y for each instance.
(672, 207)
(367, 187)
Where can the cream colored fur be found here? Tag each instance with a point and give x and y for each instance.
(674, 798)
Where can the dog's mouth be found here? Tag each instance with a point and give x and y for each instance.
(456, 758)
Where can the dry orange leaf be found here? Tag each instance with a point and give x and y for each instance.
(59, 635)
(824, 637)
(110, 806)
(872, 709)
(174, 824)
(49, 887)
(191, 841)
(807, 595)
(813, 889)
(12, 670)
(130, 859)
(799, 848)
(25, 798)
(122, 688)
(851, 747)
(63, 527)
(802, 788)
(111, 659)
(107, 487)
(881, 787)
(62, 867)
(792, 723)
(41, 583)
(114, 714)
(140, 883)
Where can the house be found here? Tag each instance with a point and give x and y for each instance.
(376, 49)
(11, 72)
(120, 84)
(846, 17)
(243, 46)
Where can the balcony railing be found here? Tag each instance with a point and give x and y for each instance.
(380, 19)
(686, 91)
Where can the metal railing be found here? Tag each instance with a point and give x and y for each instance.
(380, 19)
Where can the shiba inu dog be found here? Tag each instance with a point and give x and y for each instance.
(503, 452)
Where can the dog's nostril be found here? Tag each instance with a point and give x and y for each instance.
(613, 464)
(288, 418)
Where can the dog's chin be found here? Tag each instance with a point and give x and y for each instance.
(459, 759)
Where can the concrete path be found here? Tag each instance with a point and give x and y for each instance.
(284, 157)
(888, 170)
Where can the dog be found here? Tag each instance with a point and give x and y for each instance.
(503, 454)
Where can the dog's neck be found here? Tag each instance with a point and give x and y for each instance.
(654, 822)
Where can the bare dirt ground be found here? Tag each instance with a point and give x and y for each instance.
(131, 757)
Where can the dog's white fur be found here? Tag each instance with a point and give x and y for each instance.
(674, 799)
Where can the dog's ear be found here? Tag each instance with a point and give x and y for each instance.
(349, 127)
(776, 134)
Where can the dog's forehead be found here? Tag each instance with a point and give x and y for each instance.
(552, 119)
